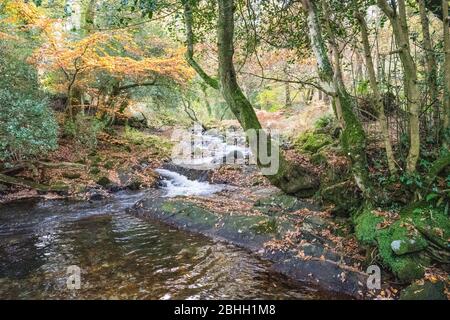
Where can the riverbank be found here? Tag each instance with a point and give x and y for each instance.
(308, 243)
(123, 158)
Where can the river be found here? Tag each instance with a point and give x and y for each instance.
(123, 257)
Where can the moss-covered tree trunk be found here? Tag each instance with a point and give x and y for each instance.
(446, 28)
(290, 177)
(353, 135)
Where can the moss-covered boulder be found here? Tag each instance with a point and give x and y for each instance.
(402, 248)
(345, 196)
(311, 142)
(366, 227)
(407, 267)
(408, 245)
(424, 291)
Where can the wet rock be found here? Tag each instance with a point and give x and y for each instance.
(191, 174)
(104, 182)
(425, 291)
(278, 204)
(94, 194)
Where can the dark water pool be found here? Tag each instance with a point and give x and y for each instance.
(123, 257)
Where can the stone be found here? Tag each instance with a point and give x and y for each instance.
(404, 246)
(426, 291)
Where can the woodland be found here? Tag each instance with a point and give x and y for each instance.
(359, 91)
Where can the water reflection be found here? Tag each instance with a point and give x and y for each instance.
(123, 257)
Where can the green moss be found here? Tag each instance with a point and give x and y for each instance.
(424, 291)
(265, 227)
(190, 212)
(71, 175)
(278, 203)
(432, 222)
(400, 248)
(108, 164)
(407, 267)
(104, 182)
(312, 142)
(366, 227)
(94, 170)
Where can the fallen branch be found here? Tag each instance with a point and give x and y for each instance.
(30, 184)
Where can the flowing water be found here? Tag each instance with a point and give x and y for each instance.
(175, 184)
(123, 257)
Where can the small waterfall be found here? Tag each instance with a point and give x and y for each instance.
(176, 184)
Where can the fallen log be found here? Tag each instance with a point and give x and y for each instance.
(30, 184)
(35, 164)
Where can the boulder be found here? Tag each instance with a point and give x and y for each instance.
(424, 291)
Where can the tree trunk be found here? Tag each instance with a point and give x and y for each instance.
(290, 178)
(400, 29)
(353, 136)
(431, 65)
(446, 67)
(378, 99)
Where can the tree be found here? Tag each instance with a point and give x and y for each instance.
(290, 177)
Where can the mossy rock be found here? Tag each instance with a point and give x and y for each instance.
(59, 186)
(267, 226)
(256, 225)
(406, 268)
(94, 170)
(366, 227)
(407, 263)
(312, 142)
(71, 175)
(404, 246)
(104, 182)
(278, 203)
(319, 159)
(433, 223)
(345, 197)
(425, 291)
(135, 184)
(190, 212)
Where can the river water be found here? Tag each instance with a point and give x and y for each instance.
(123, 257)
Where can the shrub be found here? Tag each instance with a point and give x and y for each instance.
(27, 127)
(84, 130)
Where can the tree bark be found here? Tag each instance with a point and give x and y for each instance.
(353, 136)
(412, 93)
(290, 177)
(446, 22)
(431, 65)
(378, 99)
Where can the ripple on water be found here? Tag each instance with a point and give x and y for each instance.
(123, 257)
